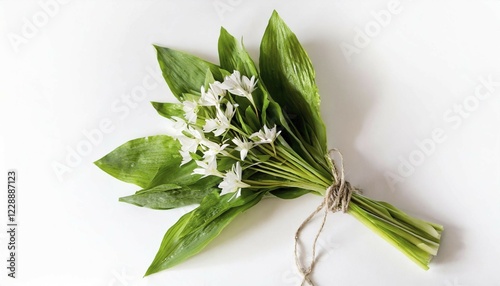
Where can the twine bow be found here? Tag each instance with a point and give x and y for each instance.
(337, 198)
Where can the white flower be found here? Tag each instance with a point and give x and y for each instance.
(177, 126)
(207, 168)
(189, 144)
(243, 146)
(212, 149)
(196, 133)
(213, 124)
(222, 122)
(240, 85)
(217, 89)
(212, 97)
(207, 98)
(232, 180)
(191, 110)
(266, 135)
(186, 156)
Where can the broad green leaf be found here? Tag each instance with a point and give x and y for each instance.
(170, 242)
(168, 196)
(197, 228)
(193, 95)
(234, 56)
(224, 73)
(168, 110)
(226, 163)
(290, 78)
(161, 188)
(183, 72)
(175, 175)
(251, 119)
(244, 126)
(195, 242)
(214, 205)
(209, 78)
(138, 160)
(182, 176)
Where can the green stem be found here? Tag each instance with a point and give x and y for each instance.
(275, 173)
(281, 184)
(357, 212)
(409, 235)
(295, 163)
(304, 166)
(286, 169)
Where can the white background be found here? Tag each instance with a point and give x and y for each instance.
(68, 67)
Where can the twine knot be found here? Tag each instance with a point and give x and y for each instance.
(337, 198)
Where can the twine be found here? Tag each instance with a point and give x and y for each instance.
(337, 198)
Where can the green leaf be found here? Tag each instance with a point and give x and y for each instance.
(290, 78)
(251, 119)
(168, 196)
(209, 78)
(224, 73)
(168, 110)
(161, 188)
(244, 126)
(182, 176)
(183, 72)
(197, 228)
(139, 160)
(234, 56)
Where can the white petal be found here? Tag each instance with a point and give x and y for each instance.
(190, 109)
(220, 130)
(216, 89)
(210, 125)
(232, 180)
(243, 154)
(186, 157)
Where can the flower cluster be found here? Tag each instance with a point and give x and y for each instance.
(210, 131)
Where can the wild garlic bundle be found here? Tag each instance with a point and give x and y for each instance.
(241, 134)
